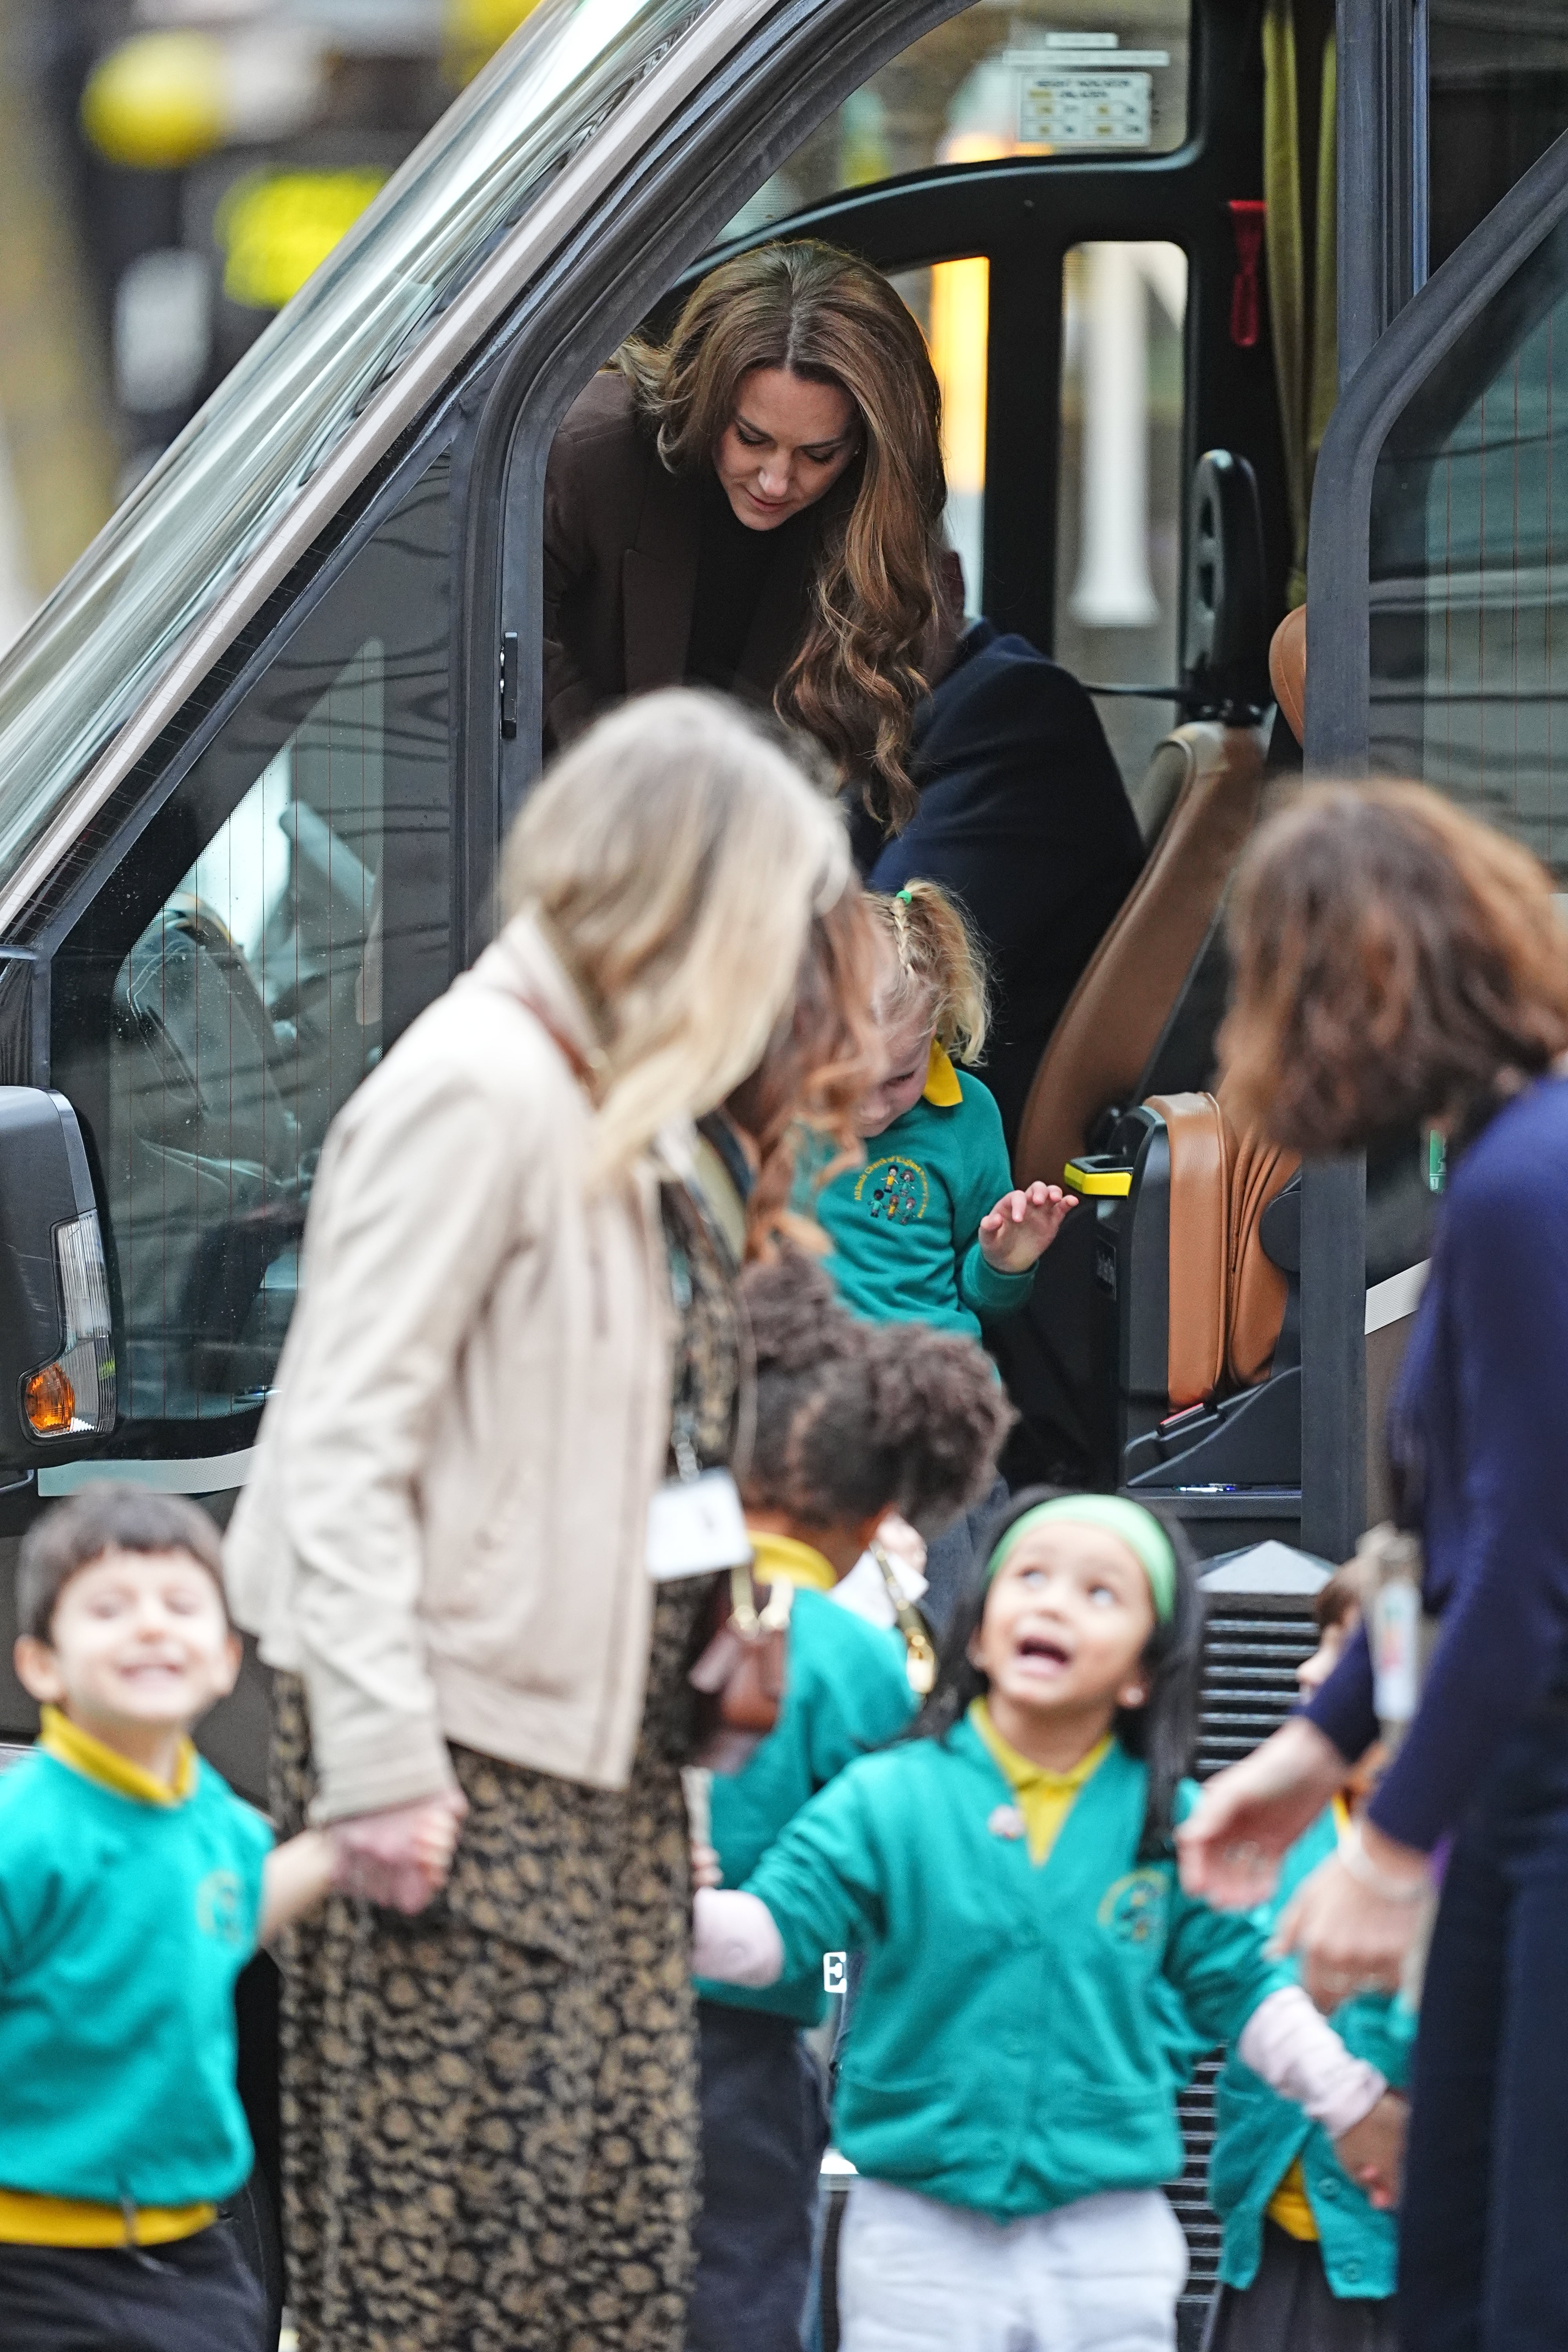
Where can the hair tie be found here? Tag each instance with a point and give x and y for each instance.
(1117, 1515)
(906, 896)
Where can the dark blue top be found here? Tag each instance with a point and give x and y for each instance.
(1023, 815)
(1479, 1433)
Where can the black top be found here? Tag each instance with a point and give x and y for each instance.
(733, 566)
(1024, 816)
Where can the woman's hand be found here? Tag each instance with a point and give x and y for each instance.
(399, 1858)
(1373, 2151)
(1232, 1842)
(1348, 1937)
(1023, 1225)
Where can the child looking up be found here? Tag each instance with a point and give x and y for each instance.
(851, 1421)
(1307, 2261)
(133, 1888)
(931, 1228)
(1007, 2097)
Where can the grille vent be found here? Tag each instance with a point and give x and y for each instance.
(1251, 1650)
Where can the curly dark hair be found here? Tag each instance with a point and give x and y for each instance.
(1161, 1732)
(1395, 961)
(856, 1417)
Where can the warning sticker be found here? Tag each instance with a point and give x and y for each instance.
(1058, 109)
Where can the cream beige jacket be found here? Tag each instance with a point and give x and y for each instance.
(445, 1528)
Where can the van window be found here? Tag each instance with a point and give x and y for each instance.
(302, 916)
(1119, 536)
(1469, 569)
(1032, 78)
(1498, 83)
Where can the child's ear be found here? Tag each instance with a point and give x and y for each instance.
(233, 1658)
(37, 1670)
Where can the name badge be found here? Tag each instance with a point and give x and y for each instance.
(694, 1526)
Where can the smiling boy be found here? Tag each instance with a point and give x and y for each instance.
(135, 1885)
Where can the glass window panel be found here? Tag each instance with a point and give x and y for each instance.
(952, 303)
(289, 915)
(1118, 536)
(1469, 569)
(1498, 75)
(1003, 78)
(167, 556)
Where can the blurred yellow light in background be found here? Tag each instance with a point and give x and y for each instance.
(475, 30)
(159, 101)
(960, 325)
(276, 227)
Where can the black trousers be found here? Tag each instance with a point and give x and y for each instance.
(1483, 2226)
(765, 2126)
(194, 2296)
(1289, 2307)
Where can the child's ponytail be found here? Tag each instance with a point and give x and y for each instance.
(940, 965)
(1161, 1732)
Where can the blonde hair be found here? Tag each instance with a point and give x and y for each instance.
(938, 968)
(674, 855)
(829, 318)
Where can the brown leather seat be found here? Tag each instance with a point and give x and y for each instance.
(1227, 1297)
(1113, 1020)
(1287, 670)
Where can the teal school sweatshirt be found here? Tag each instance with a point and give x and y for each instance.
(1011, 2046)
(904, 1227)
(847, 1690)
(124, 1926)
(1259, 2135)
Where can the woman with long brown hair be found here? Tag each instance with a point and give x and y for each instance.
(1397, 964)
(755, 505)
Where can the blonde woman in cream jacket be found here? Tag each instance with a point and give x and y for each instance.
(514, 1314)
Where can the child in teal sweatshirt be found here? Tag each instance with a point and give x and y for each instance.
(931, 1228)
(1307, 2261)
(1007, 2097)
(851, 1421)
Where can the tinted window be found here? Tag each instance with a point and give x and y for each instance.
(1030, 77)
(1469, 568)
(1499, 83)
(282, 919)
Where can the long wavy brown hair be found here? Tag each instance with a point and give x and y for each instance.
(823, 1055)
(829, 318)
(1397, 962)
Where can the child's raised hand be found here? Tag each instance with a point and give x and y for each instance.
(1023, 1225)
(1373, 2151)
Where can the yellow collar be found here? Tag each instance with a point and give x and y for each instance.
(69, 1744)
(941, 1086)
(796, 1563)
(1025, 1776)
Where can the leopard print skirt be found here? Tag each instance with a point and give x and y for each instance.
(489, 2111)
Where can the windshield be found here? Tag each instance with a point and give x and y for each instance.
(165, 558)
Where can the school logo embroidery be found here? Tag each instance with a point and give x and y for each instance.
(220, 1907)
(1133, 1909)
(897, 1190)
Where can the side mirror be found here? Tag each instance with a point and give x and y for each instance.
(57, 1330)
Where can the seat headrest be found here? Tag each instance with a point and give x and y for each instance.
(1287, 670)
(1226, 1295)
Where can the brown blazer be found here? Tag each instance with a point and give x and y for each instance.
(621, 540)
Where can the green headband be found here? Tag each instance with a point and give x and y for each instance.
(1138, 1529)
